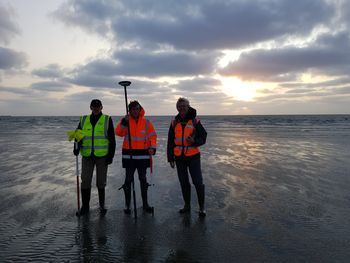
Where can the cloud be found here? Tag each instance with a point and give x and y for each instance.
(8, 28)
(93, 16)
(343, 90)
(173, 48)
(50, 86)
(95, 81)
(16, 90)
(197, 85)
(10, 59)
(168, 63)
(328, 83)
(329, 54)
(51, 71)
(194, 25)
(137, 63)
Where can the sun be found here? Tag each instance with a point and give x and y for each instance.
(238, 89)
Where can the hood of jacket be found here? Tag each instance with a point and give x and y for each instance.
(190, 115)
(141, 114)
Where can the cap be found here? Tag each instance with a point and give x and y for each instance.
(95, 103)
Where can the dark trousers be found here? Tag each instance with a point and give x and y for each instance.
(87, 168)
(129, 176)
(192, 167)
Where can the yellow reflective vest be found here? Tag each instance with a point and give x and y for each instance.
(95, 140)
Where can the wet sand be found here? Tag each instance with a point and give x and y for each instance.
(270, 198)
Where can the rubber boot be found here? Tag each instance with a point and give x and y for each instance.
(186, 194)
(146, 207)
(101, 199)
(127, 193)
(85, 198)
(200, 195)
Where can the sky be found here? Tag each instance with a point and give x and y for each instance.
(228, 57)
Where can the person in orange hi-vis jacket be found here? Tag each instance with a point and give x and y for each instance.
(186, 134)
(143, 140)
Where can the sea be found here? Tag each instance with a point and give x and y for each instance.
(277, 190)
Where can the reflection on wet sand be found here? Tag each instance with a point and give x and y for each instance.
(276, 192)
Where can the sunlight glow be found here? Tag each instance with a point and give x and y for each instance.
(239, 90)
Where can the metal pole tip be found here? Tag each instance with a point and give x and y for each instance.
(124, 83)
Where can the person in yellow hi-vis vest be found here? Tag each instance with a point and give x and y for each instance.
(97, 149)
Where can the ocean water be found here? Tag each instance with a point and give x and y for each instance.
(277, 190)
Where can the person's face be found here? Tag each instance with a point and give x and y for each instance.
(135, 111)
(182, 108)
(96, 109)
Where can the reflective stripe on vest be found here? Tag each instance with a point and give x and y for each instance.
(96, 138)
(136, 157)
(181, 145)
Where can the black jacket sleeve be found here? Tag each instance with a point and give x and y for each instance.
(200, 136)
(111, 139)
(171, 144)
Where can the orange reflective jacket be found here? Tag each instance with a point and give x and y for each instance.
(143, 137)
(181, 144)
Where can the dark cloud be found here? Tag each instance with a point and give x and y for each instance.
(152, 64)
(93, 16)
(8, 27)
(16, 90)
(343, 90)
(135, 63)
(50, 71)
(10, 59)
(165, 63)
(222, 24)
(147, 88)
(329, 83)
(50, 86)
(95, 81)
(198, 85)
(181, 39)
(326, 55)
(197, 25)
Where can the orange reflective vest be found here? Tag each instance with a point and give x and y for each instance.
(181, 144)
(143, 137)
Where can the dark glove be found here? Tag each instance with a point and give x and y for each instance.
(124, 122)
(76, 152)
(109, 160)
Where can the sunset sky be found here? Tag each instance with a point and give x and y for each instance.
(225, 56)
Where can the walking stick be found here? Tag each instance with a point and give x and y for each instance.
(77, 175)
(78, 135)
(126, 84)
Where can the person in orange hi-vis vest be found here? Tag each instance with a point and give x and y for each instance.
(185, 135)
(143, 145)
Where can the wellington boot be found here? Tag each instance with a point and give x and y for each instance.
(148, 209)
(185, 209)
(101, 199)
(202, 213)
(127, 194)
(85, 197)
(200, 194)
(144, 189)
